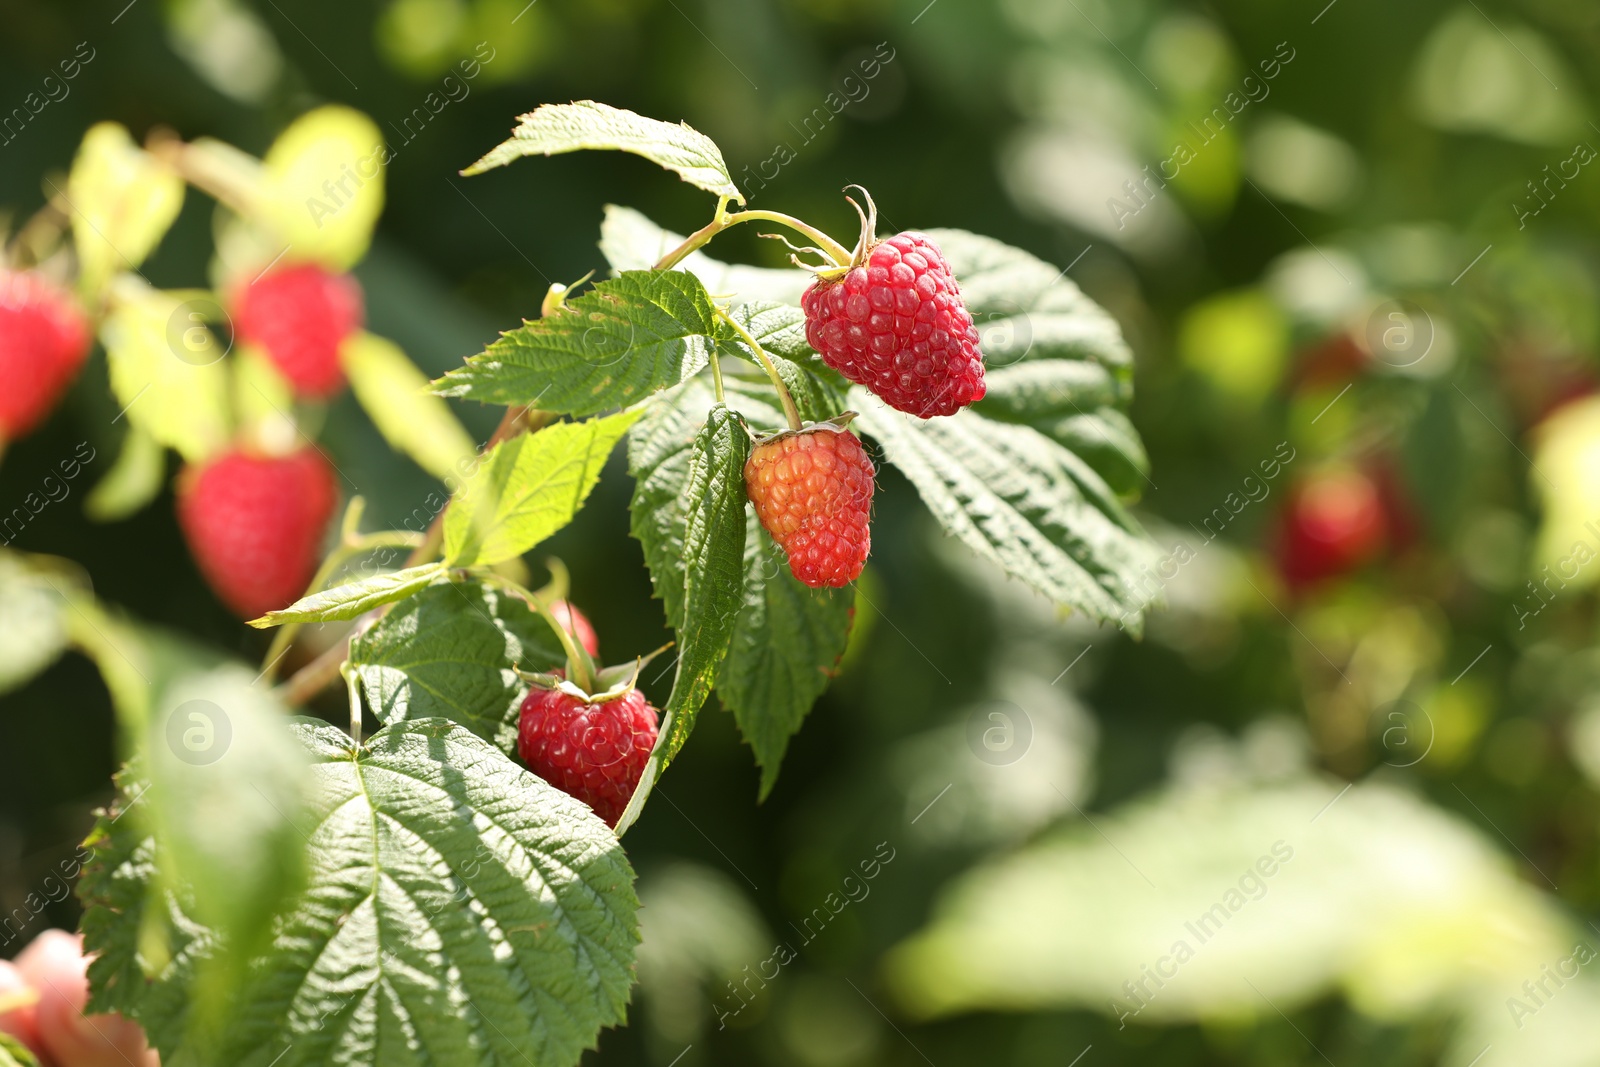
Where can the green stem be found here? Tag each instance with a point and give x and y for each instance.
(350, 546)
(790, 412)
(701, 237)
(716, 377)
(580, 668)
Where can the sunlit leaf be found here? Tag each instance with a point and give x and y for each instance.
(527, 488)
(556, 128)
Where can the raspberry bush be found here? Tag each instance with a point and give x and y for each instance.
(453, 888)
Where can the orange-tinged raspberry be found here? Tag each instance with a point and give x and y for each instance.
(812, 491)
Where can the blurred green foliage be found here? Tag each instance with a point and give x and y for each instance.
(1360, 237)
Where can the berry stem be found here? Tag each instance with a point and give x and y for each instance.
(701, 237)
(716, 376)
(790, 412)
(352, 543)
(354, 692)
(580, 667)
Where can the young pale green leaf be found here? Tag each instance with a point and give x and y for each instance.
(458, 912)
(166, 370)
(1023, 501)
(613, 346)
(557, 128)
(33, 620)
(322, 181)
(13, 1053)
(527, 488)
(133, 481)
(712, 502)
(123, 201)
(354, 598)
(786, 645)
(453, 651)
(396, 397)
(630, 241)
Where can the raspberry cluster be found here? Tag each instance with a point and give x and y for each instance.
(896, 324)
(812, 491)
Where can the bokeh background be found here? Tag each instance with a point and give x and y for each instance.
(1371, 286)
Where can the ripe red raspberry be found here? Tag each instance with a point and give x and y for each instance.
(812, 490)
(576, 623)
(897, 325)
(1334, 524)
(255, 523)
(300, 315)
(596, 752)
(43, 342)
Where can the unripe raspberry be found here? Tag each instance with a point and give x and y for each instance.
(300, 315)
(43, 342)
(577, 624)
(896, 324)
(595, 752)
(812, 491)
(255, 523)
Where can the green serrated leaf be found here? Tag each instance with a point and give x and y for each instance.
(785, 647)
(132, 482)
(527, 488)
(13, 1053)
(630, 241)
(1027, 309)
(658, 459)
(452, 651)
(660, 443)
(818, 390)
(395, 395)
(1078, 404)
(1018, 498)
(458, 911)
(613, 346)
(712, 500)
(557, 128)
(355, 598)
